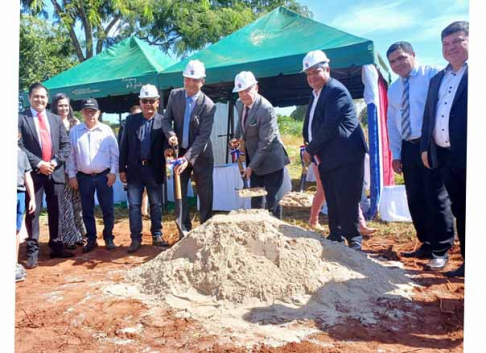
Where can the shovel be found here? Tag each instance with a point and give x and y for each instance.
(246, 191)
(300, 198)
(178, 197)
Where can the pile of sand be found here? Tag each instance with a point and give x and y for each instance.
(254, 268)
(297, 199)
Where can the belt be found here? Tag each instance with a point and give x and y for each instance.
(144, 162)
(417, 140)
(95, 174)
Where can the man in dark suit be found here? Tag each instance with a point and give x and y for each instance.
(265, 153)
(142, 165)
(444, 130)
(333, 133)
(188, 121)
(45, 141)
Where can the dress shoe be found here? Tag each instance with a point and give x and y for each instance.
(79, 243)
(159, 241)
(458, 272)
(420, 253)
(61, 254)
(437, 263)
(90, 246)
(109, 244)
(134, 246)
(19, 275)
(32, 262)
(354, 245)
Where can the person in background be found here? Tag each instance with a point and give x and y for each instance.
(72, 227)
(333, 133)
(319, 200)
(257, 130)
(444, 130)
(92, 167)
(46, 143)
(24, 183)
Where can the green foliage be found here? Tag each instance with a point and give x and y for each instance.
(299, 112)
(179, 26)
(45, 51)
(289, 126)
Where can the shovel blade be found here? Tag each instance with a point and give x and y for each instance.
(180, 227)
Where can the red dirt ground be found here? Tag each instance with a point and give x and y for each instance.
(53, 314)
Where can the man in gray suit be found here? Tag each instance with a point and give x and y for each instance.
(265, 154)
(188, 120)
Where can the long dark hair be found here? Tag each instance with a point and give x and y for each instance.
(72, 120)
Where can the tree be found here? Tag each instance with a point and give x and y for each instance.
(299, 112)
(44, 51)
(179, 26)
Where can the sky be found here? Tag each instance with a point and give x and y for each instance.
(418, 22)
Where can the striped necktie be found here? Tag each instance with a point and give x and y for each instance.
(406, 129)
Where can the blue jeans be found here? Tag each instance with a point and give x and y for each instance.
(88, 184)
(154, 193)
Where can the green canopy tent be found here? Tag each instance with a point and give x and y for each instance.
(114, 76)
(272, 47)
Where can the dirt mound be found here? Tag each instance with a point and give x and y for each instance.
(297, 199)
(251, 258)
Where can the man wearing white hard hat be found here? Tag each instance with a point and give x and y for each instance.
(265, 153)
(142, 165)
(187, 123)
(332, 133)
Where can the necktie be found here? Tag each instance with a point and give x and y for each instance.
(406, 129)
(185, 126)
(245, 115)
(46, 142)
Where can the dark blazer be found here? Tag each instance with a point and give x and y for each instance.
(129, 161)
(200, 152)
(337, 137)
(30, 144)
(265, 149)
(457, 122)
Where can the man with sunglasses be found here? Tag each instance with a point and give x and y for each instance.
(187, 122)
(142, 165)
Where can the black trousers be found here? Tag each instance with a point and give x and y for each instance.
(455, 182)
(204, 186)
(343, 187)
(54, 193)
(272, 182)
(428, 202)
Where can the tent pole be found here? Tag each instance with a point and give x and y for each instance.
(230, 130)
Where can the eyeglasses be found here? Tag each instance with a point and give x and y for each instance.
(148, 101)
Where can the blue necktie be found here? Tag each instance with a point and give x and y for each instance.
(406, 129)
(185, 126)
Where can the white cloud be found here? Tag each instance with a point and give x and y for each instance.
(384, 17)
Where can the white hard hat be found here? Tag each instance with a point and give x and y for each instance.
(194, 69)
(313, 58)
(149, 91)
(244, 80)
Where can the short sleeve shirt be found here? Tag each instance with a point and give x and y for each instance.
(23, 166)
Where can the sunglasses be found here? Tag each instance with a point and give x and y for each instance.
(148, 101)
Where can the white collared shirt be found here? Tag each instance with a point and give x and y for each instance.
(447, 92)
(35, 115)
(92, 150)
(418, 84)
(312, 111)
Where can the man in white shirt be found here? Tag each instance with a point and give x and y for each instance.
(427, 197)
(444, 131)
(92, 167)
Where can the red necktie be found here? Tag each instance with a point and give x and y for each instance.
(45, 139)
